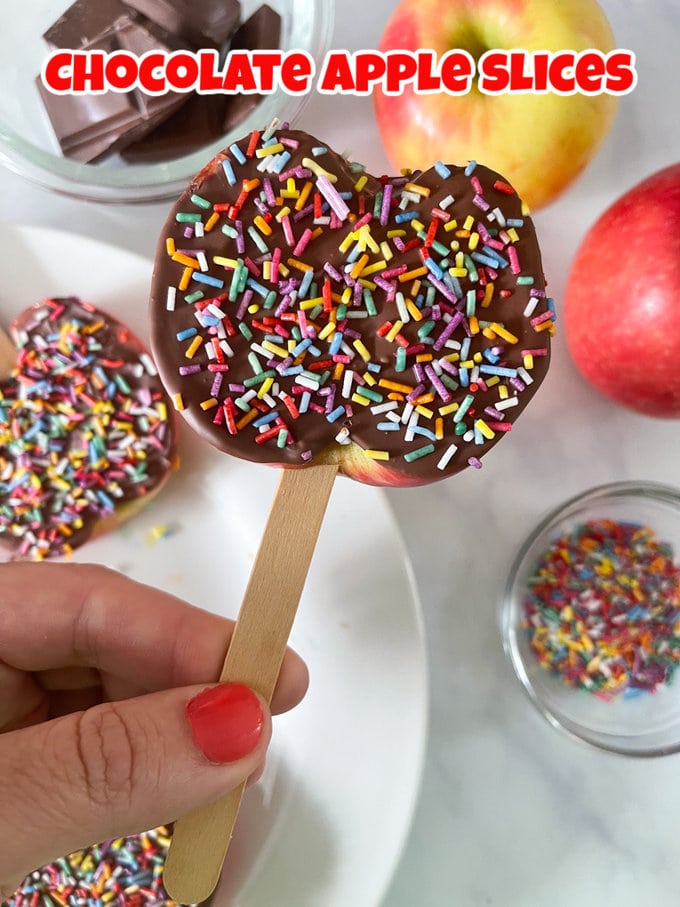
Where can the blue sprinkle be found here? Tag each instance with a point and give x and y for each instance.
(301, 347)
(257, 287)
(305, 400)
(336, 342)
(186, 334)
(425, 432)
(305, 284)
(442, 170)
(229, 172)
(498, 370)
(470, 169)
(266, 419)
(336, 414)
(208, 279)
(281, 161)
(434, 268)
(404, 216)
(388, 426)
(238, 154)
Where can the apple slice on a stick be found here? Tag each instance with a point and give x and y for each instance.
(201, 839)
(75, 677)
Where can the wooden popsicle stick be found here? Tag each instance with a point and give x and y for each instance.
(8, 355)
(200, 839)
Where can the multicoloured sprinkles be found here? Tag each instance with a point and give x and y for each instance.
(300, 303)
(84, 427)
(124, 872)
(603, 609)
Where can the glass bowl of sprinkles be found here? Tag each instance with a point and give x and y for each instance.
(591, 618)
(133, 147)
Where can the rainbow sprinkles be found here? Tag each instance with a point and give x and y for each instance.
(301, 305)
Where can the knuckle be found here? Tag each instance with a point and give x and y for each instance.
(107, 756)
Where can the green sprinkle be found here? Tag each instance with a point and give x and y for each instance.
(255, 363)
(425, 329)
(245, 330)
(186, 218)
(525, 281)
(270, 299)
(194, 297)
(369, 302)
(282, 437)
(401, 358)
(370, 394)
(259, 379)
(421, 452)
(201, 202)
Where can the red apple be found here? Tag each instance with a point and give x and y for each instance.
(622, 302)
(540, 142)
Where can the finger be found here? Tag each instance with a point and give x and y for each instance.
(92, 616)
(20, 696)
(120, 768)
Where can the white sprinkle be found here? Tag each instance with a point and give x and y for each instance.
(202, 261)
(347, 379)
(524, 375)
(172, 298)
(224, 346)
(148, 364)
(343, 437)
(446, 458)
(216, 311)
(406, 414)
(384, 407)
(531, 305)
(446, 202)
(304, 381)
(506, 404)
(199, 231)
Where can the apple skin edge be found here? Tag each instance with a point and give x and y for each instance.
(540, 143)
(622, 300)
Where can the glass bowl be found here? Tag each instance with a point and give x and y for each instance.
(632, 722)
(28, 145)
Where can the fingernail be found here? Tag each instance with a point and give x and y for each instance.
(226, 721)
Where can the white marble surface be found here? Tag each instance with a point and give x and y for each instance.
(511, 813)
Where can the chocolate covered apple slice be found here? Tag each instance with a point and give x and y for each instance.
(87, 434)
(308, 315)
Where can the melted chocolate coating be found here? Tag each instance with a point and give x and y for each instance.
(464, 374)
(85, 427)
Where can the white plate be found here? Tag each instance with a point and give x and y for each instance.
(327, 823)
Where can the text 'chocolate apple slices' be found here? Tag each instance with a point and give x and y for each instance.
(87, 433)
(308, 315)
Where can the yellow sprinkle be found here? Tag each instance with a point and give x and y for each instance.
(327, 331)
(473, 323)
(488, 295)
(266, 270)
(316, 168)
(193, 347)
(458, 272)
(424, 411)
(439, 428)
(413, 310)
(209, 404)
(424, 357)
(410, 275)
(253, 309)
(162, 411)
(360, 183)
(211, 221)
(269, 149)
(394, 330)
(525, 209)
(487, 432)
(392, 233)
(473, 242)
(422, 191)
(304, 195)
(450, 225)
(528, 362)
(469, 222)
(361, 350)
(502, 391)
(376, 266)
(284, 212)
(501, 331)
(513, 235)
(417, 226)
(275, 349)
(493, 381)
(357, 398)
(369, 379)
(300, 265)
(338, 371)
(308, 304)
(265, 387)
(348, 241)
(262, 225)
(346, 297)
(545, 326)
(448, 409)
(225, 262)
(170, 246)
(386, 250)
(377, 454)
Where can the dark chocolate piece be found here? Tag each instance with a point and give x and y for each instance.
(85, 22)
(205, 23)
(421, 336)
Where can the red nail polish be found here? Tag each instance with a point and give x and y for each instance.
(226, 721)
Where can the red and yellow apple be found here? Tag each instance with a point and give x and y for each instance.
(540, 142)
(622, 301)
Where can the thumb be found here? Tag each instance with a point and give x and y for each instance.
(123, 767)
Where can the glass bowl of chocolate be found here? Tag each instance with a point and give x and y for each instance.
(129, 143)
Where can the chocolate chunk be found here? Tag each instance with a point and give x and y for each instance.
(204, 23)
(85, 22)
(261, 31)
(89, 126)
